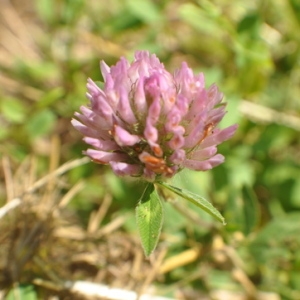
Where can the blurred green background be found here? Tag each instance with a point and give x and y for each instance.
(251, 49)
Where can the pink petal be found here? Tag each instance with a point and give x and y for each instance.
(123, 169)
(109, 83)
(124, 108)
(124, 138)
(104, 145)
(92, 120)
(219, 136)
(177, 141)
(204, 165)
(105, 69)
(199, 105)
(93, 88)
(182, 104)
(214, 96)
(203, 154)
(216, 115)
(150, 133)
(154, 111)
(139, 97)
(149, 175)
(192, 118)
(195, 136)
(152, 86)
(173, 119)
(87, 131)
(139, 68)
(183, 77)
(103, 157)
(177, 157)
(99, 102)
(120, 68)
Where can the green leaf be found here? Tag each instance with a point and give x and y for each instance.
(195, 199)
(149, 216)
(51, 97)
(24, 292)
(46, 9)
(41, 123)
(251, 209)
(274, 246)
(14, 110)
(199, 19)
(100, 84)
(145, 10)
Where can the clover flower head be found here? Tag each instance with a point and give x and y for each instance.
(146, 122)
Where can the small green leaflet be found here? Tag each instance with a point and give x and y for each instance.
(24, 292)
(100, 84)
(149, 217)
(195, 199)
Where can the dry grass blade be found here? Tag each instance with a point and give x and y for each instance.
(41, 239)
(157, 262)
(9, 206)
(61, 170)
(70, 194)
(8, 178)
(259, 113)
(181, 259)
(21, 42)
(97, 217)
(29, 220)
